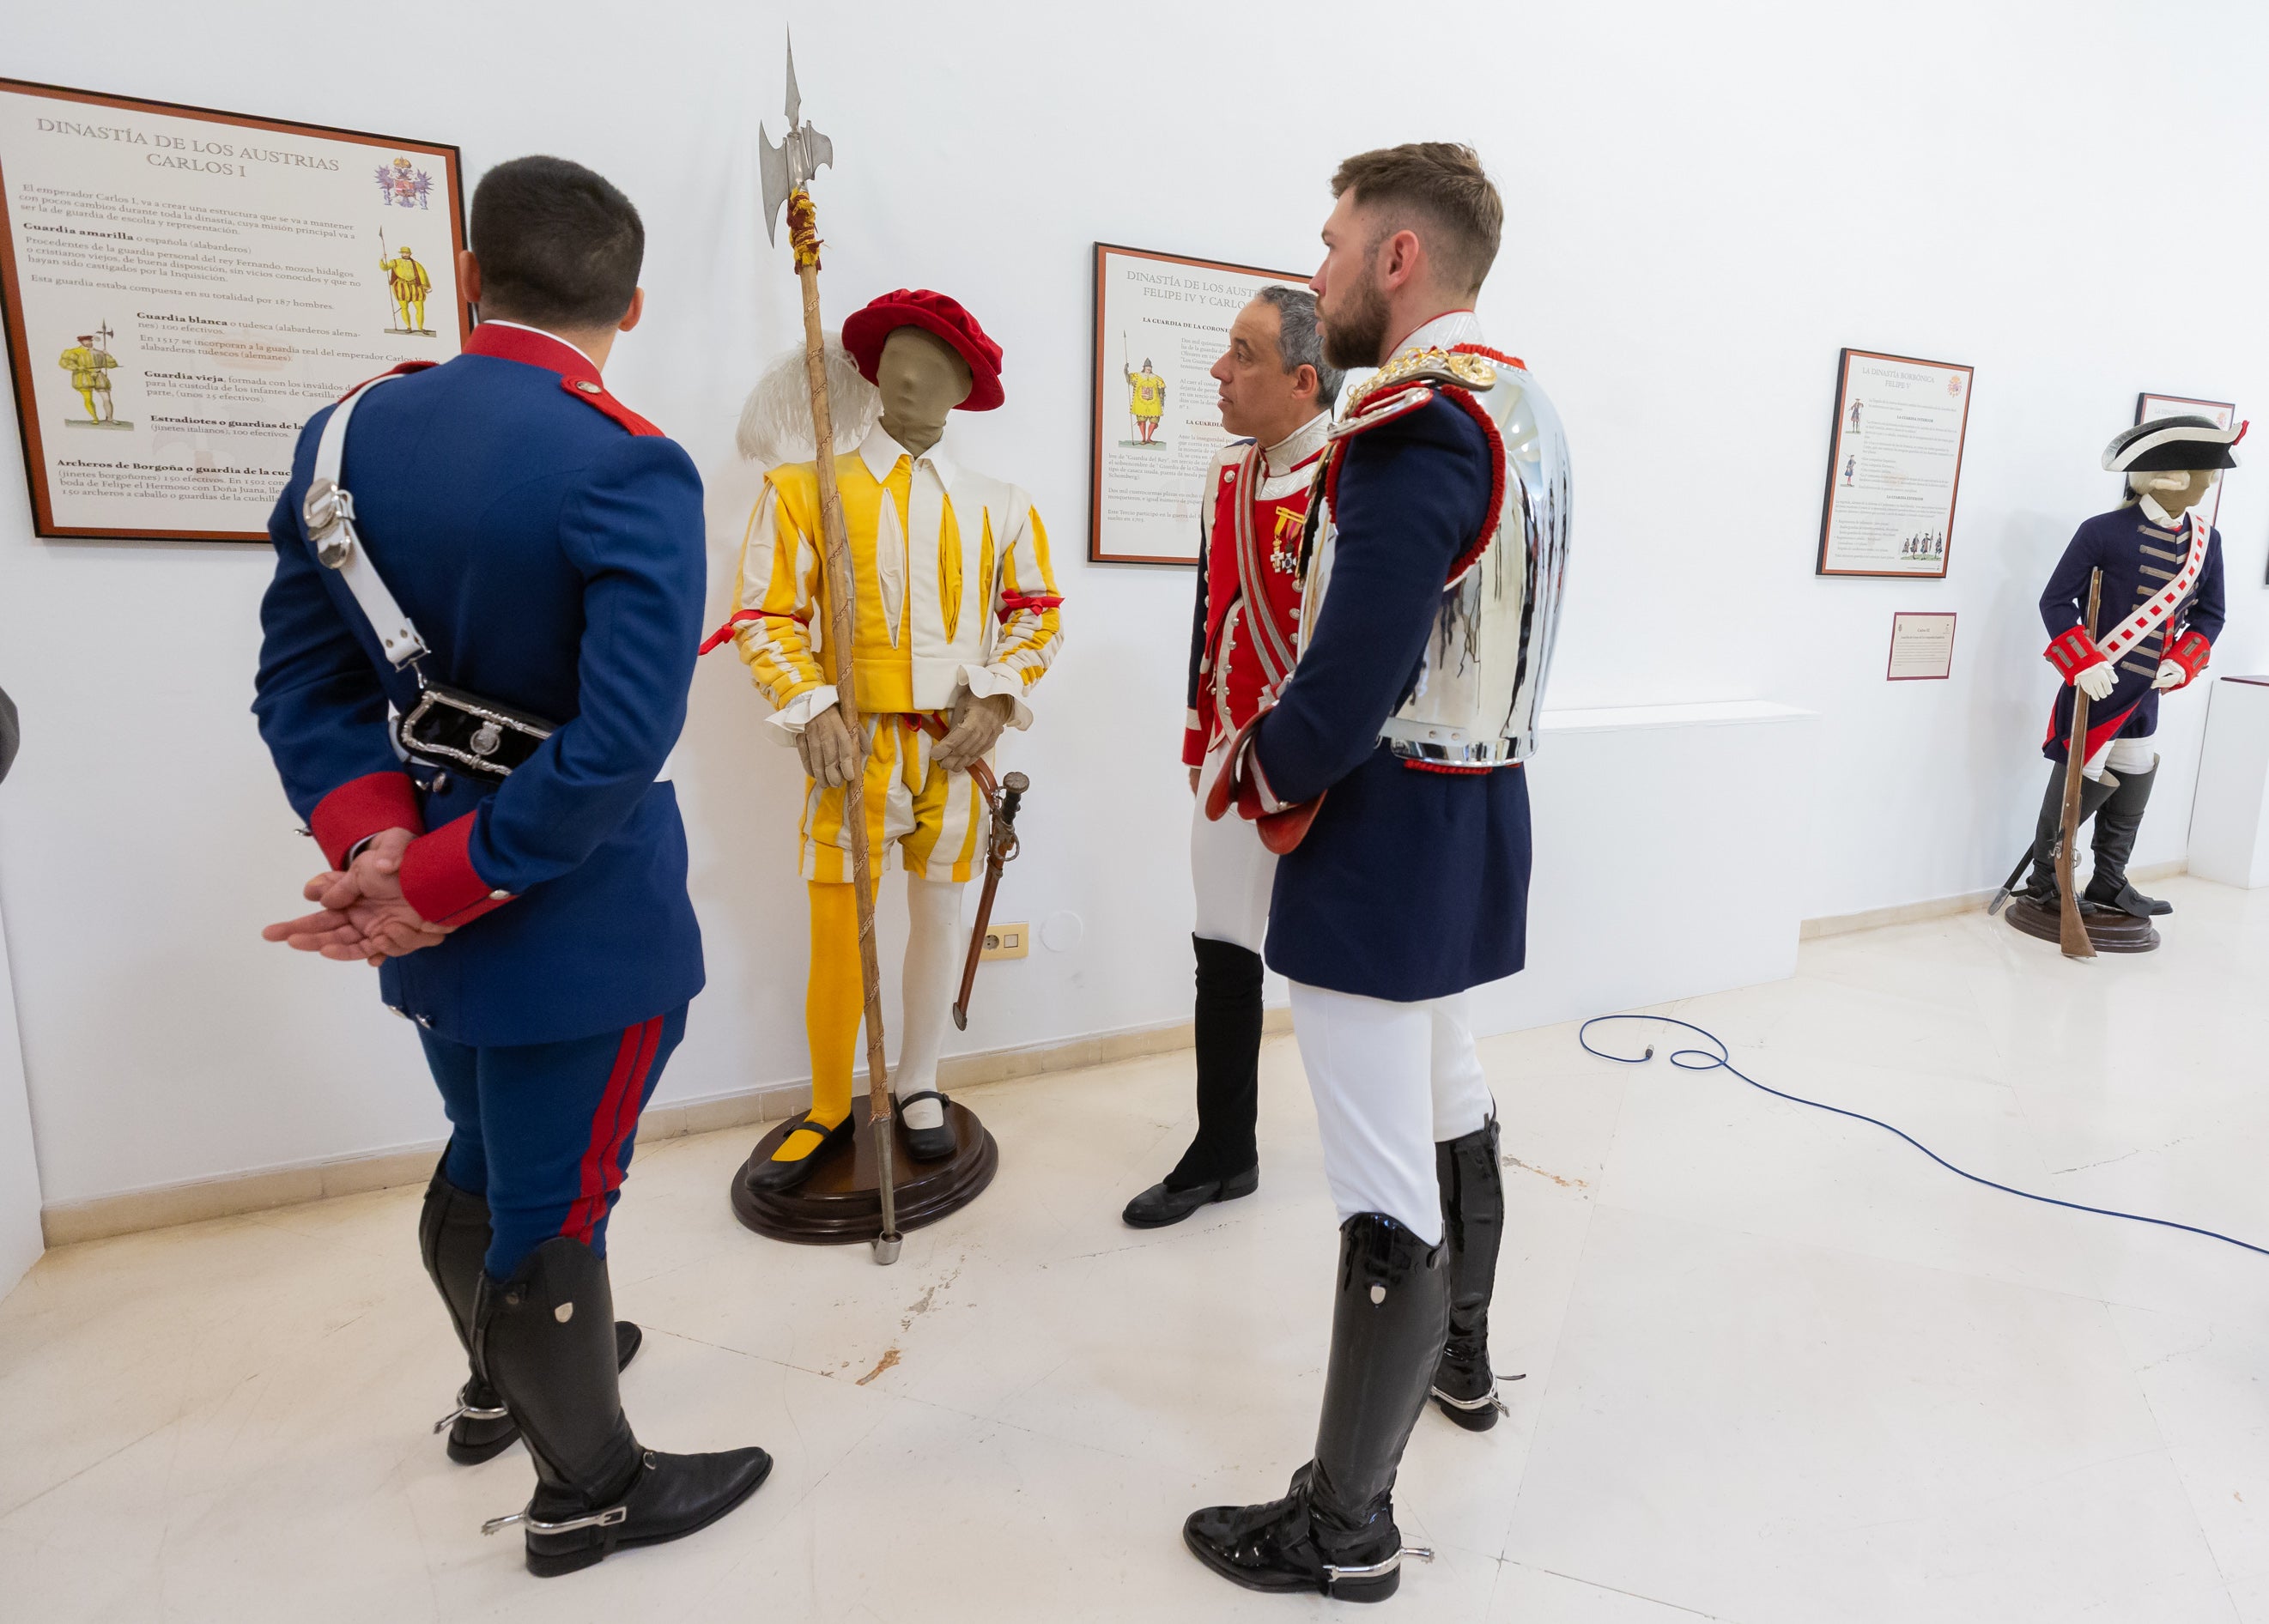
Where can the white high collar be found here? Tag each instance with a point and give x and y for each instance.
(881, 454)
(1445, 331)
(1296, 448)
(2158, 515)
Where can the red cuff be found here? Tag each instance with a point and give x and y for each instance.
(439, 881)
(361, 808)
(2191, 653)
(2072, 652)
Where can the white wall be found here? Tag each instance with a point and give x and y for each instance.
(1706, 202)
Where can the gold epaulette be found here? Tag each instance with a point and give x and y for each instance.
(1429, 366)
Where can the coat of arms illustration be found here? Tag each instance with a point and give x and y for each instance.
(403, 184)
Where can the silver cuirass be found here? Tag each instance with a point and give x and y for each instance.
(1480, 681)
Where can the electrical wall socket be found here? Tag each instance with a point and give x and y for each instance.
(1007, 940)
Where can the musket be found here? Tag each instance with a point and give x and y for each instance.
(787, 171)
(2072, 930)
(1003, 799)
(2009, 885)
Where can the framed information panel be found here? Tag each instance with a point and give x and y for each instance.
(1894, 465)
(184, 288)
(2222, 412)
(1161, 321)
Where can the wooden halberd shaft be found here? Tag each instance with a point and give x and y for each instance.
(842, 666)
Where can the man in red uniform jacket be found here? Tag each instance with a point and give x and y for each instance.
(1277, 393)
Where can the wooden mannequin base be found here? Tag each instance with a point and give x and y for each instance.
(837, 1206)
(2111, 932)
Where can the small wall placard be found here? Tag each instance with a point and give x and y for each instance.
(1922, 647)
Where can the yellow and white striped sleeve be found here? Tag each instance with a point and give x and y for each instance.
(775, 601)
(1030, 612)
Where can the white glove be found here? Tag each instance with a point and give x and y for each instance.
(2096, 681)
(2170, 675)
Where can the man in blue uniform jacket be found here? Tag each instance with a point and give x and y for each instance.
(2161, 608)
(1388, 775)
(543, 545)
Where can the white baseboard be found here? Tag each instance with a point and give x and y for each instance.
(261, 1188)
(1937, 907)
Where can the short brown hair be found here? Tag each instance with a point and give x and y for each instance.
(1437, 183)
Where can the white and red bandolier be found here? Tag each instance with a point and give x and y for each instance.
(1246, 630)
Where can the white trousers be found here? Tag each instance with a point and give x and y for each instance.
(1390, 1081)
(1233, 872)
(2121, 756)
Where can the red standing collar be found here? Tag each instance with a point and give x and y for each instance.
(577, 376)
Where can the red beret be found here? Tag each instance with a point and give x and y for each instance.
(865, 333)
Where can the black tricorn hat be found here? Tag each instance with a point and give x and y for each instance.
(2166, 444)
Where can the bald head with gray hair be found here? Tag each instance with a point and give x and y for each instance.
(1300, 341)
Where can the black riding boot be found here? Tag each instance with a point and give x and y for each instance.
(2041, 886)
(1334, 1531)
(1473, 1226)
(2117, 823)
(453, 1234)
(545, 1340)
(1222, 1162)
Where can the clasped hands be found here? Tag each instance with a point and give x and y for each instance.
(362, 913)
(832, 752)
(2099, 680)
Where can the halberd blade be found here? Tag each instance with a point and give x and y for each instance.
(773, 164)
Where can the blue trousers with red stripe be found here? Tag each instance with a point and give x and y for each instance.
(544, 1132)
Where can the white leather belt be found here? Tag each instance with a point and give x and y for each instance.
(329, 513)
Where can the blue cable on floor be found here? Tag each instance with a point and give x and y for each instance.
(1703, 1061)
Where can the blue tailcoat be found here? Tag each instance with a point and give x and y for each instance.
(2138, 558)
(553, 560)
(1411, 884)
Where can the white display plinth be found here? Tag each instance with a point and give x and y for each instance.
(2230, 820)
(1669, 846)
(20, 1242)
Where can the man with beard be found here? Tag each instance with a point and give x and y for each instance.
(1388, 774)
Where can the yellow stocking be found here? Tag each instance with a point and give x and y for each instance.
(832, 1005)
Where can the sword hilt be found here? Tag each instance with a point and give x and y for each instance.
(1012, 795)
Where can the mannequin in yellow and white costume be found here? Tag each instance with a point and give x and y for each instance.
(956, 615)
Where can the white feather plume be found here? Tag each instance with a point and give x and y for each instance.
(775, 424)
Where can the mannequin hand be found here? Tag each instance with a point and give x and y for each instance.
(2170, 675)
(2096, 681)
(1195, 774)
(977, 725)
(830, 751)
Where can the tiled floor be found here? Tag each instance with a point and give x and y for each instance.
(1780, 1367)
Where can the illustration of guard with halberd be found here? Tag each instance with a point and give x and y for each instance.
(2162, 564)
(1389, 774)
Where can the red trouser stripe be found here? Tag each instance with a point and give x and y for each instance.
(602, 1173)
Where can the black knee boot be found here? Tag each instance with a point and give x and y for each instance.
(1222, 1162)
(2117, 823)
(1472, 1227)
(1334, 1531)
(453, 1235)
(2048, 832)
(545, 1340)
